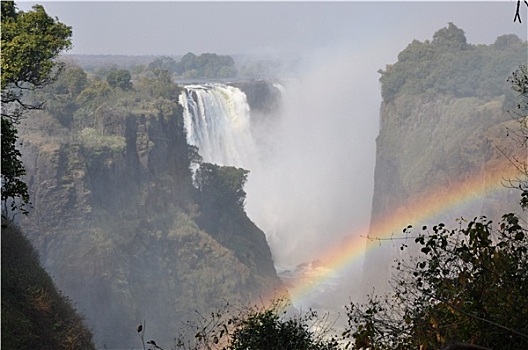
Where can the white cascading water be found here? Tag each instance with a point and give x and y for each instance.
(216, 117)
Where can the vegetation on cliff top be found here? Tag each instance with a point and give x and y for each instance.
(449, 65)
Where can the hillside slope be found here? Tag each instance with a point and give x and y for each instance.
(35, 315)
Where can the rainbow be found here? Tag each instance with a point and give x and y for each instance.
(350, 253)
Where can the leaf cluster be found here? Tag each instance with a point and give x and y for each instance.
(222, 185)
(519, 112)
(30, 42)
(259, 328)
(466, 285)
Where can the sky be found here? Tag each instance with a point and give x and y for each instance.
(175, 27)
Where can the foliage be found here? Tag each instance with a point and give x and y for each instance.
(222, 185)
(163, 63)
(466, 285)
(450, 38)
(160, 85)
(61, 95)
(190, 66)
(30, 42)
(449, 65)
(258, 328)
(34, 314)
(120, 78)
(206, 65)
(266, 330)
(93, 140)
(12, 170)
(519, 112)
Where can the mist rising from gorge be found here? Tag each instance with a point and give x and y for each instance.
(312, 185)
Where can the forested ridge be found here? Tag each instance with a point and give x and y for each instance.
(449, 65)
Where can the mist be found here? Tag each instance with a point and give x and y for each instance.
(313, 183)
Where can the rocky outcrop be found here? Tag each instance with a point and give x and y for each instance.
(114, 219)
(262, 95)
(443, 150)
(426, 148)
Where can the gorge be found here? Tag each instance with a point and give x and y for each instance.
(125, 230)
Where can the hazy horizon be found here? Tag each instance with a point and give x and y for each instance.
(276, 28)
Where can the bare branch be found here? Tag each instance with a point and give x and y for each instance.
(518, 11)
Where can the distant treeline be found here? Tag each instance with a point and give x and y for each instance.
(206, 65)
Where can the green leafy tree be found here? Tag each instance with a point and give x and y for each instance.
(222, 185)
(187, 63)
(96, 93)
(207, 65)
(467, 286)
(12, 169)
(267, 330)
(120, 78)
(258, 328)
(61, 95)
(30, 41)
(450, 37)
(163, 63)
(160, 85)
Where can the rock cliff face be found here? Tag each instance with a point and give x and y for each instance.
(424, 150)
(443, 150)
(115, 222)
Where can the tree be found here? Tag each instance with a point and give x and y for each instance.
(120, 78)
(222, 185)
(267, 330)
(519, 112)
(163, 63)
(259, 328)
(30, 42)
(451, 37)
(208, 65)
(61, 95)
(467, 285)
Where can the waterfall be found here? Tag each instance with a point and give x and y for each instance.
(311, 160)
(217, 120)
